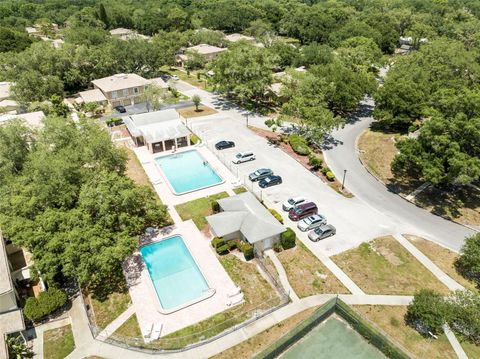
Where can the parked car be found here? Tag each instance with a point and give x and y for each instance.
(303, 210)
(327, 230)
(269, 181)
(243, 157)
(224, 144)
(120, 109)
(311, 222)
(175, 78)
(260, 174)
(293, 202)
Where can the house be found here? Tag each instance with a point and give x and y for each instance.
(122, 89)
(11, 317)
(32, 119)
(159, 130)
(127, 34)
(92, 96)
(36, 30)
(244, 217)
(158, 81)
(209, 52)
(6, 103)
(238, 37)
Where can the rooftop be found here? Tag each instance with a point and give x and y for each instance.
(156, 126)
(120, 82)
(238, 37)
(5, 280)
(33, 119)
(94, 95)
(159, 82)
(121, 31)
(205, 49)
(5, 90)
(246, 214)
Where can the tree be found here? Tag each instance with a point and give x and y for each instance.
(33, 86)
(361, 53)
(468, 264)
(194, 60)
(17, 349)
(196, 100)
(427, 312)
(11, 40)
(152, 95)
(15, 139)
(465, 307)
(102, 15)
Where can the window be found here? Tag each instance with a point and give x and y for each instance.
(114, 94)
(135, 90)
(125, 92)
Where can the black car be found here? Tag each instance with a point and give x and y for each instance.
(269, 181)
(120, 109)
(224, 144)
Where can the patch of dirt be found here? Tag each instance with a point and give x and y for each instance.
(388, 255)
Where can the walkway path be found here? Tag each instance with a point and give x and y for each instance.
(454, 342)
(282, 275)
(117, 323)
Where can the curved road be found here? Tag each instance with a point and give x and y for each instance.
(341, 154)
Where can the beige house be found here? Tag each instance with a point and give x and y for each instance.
(122, 89)
(92, 96)
(11, 317)
(6, 103)
(32, 119)
(208, 52)
(127, 34)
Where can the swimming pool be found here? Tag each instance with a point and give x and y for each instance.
(175, 275)
(188, 171)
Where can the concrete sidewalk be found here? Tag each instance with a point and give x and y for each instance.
(282, 275)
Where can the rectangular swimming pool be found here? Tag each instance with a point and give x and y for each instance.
(188, 171)
(174, 273)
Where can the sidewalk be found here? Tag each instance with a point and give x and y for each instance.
(282, 275)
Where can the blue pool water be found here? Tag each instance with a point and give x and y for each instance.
(174, 273)
(187, 172)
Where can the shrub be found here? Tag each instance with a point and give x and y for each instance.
(114, 121)
(299, 145)
(427, 312)
(277, 247)
(222, 249)
(325, 170)
(315, 162)
(194, 139)
(215, 206)
(46, 303)
(330, 176)
(233, 244)
(287, 239)
(277, 215)
(269, 123)
(247, 250)
(217, 242)
(468, 264)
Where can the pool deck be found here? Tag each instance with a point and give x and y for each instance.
(160, 182)
(145, 300)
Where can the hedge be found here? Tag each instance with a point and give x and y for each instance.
(287, 239)
(315, 162)
(114, 121)
(46, 303)
(217, 242)
(299, 145)
(194, 139)
(247, 250)
(277, 215)
(330, 176)
(215, 206)
(222, 249)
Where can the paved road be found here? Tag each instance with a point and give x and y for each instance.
(342, 155)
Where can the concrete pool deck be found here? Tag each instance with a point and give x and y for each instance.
(145, 300)
(160, 182)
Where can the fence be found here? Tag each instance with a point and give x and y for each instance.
(370, 332)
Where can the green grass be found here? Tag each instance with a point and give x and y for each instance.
(472, 350)
(130, 328)
(198, 209)
(109, 309)
(239, 190)
(58, 343)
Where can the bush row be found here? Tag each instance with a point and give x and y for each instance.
(223, 247)
(277, 215)
(299, 145)
(46, 303)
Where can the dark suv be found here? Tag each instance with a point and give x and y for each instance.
(224, 144)
(302, 211)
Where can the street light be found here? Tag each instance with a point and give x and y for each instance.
(246, 116)
(343, 181)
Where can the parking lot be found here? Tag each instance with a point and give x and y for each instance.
(355, 221)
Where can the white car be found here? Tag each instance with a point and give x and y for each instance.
(175, 78)
(311, 222)
(293, 202)
(243, 157)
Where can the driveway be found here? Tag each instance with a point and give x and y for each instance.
(341, 154)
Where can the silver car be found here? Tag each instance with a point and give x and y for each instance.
(311, 222)
(322, 232)
(292, 203)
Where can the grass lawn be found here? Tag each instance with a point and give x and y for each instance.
(239, 190)
(383, 266)
(258, 294)
(58, 343)
(306, 274)
(106, 311)
(191, 112)
(442, 257)
(391, 320)
(129, 329)
(135, 169)
(472, 350)
(192, 79)
(261, 341)
(198, 209)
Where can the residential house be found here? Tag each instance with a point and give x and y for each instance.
(127, 34)
(11, 317)
(239, 37)
(208, 52)
(159, 130)
(6, 103)
(92, 96)
(32, 119)
(122, 89)
(244, 217)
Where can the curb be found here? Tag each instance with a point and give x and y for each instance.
(404, 198)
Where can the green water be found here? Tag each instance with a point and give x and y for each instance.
(332, 339)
